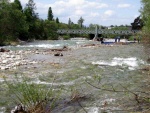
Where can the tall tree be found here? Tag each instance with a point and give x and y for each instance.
(80, 22)
(69, 22)
(31, 18)
(30, 9)
(18, 5)
(57, 20)
(50, 14)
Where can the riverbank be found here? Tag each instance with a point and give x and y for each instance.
(10, 59)
(105, 66)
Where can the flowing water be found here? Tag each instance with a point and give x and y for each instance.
(90, 71)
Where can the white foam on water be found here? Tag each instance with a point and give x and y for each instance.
(80, 42)
(108, 100)
(55, 84)
(1, 80)
(93, 110)
(61, 83)
(132, 62)
(41, 45)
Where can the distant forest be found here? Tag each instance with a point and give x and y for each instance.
(17, 24)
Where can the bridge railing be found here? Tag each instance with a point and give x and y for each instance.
(99, 31)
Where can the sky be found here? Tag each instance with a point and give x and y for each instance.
(101, 12)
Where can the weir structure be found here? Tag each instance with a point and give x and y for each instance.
(97, 31)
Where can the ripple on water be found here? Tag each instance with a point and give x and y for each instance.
(62, 83)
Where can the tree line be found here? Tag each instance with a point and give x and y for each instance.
(145, 15)
(17, 23)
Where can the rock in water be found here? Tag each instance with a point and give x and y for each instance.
(4, 50)
(58, 54)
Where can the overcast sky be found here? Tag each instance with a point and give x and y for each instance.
(102, 12)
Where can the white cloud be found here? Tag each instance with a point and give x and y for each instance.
(76, 2)
(101, 12)
(109, 13)
(94, 14)
(95, 5)
(79, 12)
(124, 5)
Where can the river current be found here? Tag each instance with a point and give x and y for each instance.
(92, 71)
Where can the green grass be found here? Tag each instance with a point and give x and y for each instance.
(30, 94)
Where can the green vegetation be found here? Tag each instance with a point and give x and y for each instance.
(145, 12)
(24, 24)
(80, 22)
(117, 28)
(34, 97)
(50, 14)
(17, 24)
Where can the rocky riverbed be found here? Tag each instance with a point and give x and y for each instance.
(10, 59)
(13, 59)
(102, 65)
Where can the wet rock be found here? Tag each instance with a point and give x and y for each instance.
(18, 109)
(87, 45)
(58, 54)
(146, 68)
(65, 48)
(4, 50)
(13, 59)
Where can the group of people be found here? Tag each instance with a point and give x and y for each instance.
(117, 39)
(101, 40)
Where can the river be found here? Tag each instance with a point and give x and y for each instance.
(90, 71)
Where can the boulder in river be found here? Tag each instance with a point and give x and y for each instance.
(4, 50)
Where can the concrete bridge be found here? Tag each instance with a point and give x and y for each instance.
(97, 31)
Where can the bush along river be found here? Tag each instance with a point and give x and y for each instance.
(74, 76)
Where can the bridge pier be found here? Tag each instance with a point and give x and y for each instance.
(96, 34)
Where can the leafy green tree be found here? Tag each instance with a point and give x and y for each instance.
(50, 14)
(18, 5)
(50, 28)
(92, 26)
(57, 20)
(80, 22)
(31, 18)
(145, 35)
(18, 23)
(4, 14)
(137, 24)
(12, 22)
(62, 26)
